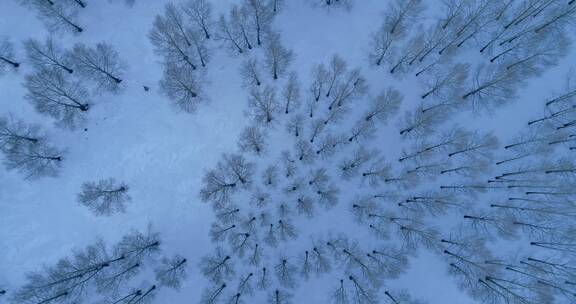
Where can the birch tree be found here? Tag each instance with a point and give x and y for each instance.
(34, 160)
(105, 197)
(277, 56)
(100, 64)
(46, 56)
(183, 87)
(52, 94)
(200, 12)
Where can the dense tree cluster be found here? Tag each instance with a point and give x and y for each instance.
(517, 40)
(186, 34)
(284, 185)
(493, 191)
(181, 36)
(58, 88)
(58, 85)
(107, 271)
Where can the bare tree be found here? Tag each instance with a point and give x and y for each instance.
(407, 54)
(73, 278)
(277, 56)
(377, 172)
(304, 151)
(291, 94)
(263, 278)
(295, 125)
(138, 247)
(261, 16)
(445, 85)
(358, 291)
(218, 266)
(172, 272)
(105, 197)
(245, 285)
(212, 295)
(200, 12)
(54, 95)
(320, 76)
(404, 13)
(538, 54)
(400, 297)
(330, 144)
(285, 272)
(57, 16)
(175, 21)
(229, 36)
(218, 186)
(362, 130)
(489, 88)
(47, 55)
(239, 168)
(270, 176)
(15, 133)
(147, 294)
(231, 172)
(133, 295)
(384, 105)
(67, 279)
(317, 127)
(475, 145)
(183, 86)
(240, 23)
(100, 64)
(419, 122)
(200, 46)
(114, 278)
(559, 17)
(250, 71)
(398, 19)
(176, 40)
(336, 71)
(7, 55)
(171, 39)
(252, 139)
(34, 160)
(263, 104)
(348, 89)
(278, 296)
(350, 166)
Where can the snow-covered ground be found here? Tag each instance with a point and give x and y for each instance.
(139, 138)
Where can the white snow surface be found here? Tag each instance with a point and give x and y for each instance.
(139, 138)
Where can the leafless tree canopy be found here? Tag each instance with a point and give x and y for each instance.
(55, 95)
(104, 197)
(46, 56)
(100, 64)
(183, 86)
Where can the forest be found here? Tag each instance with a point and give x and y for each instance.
(287, 151)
